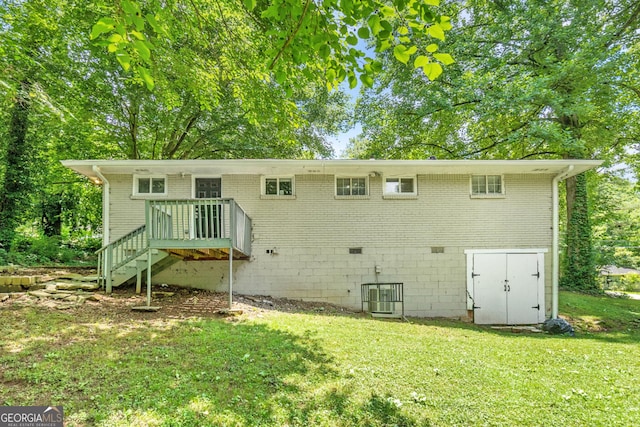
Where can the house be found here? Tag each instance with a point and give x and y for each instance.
(620, 278)
(453, 238)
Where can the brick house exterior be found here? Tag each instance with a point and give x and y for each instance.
(322, 228)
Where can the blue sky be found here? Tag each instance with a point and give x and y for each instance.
(340, 142)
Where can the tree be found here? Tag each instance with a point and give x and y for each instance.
(533, 79)
(43, 76)
(295, 42)
(616, 221)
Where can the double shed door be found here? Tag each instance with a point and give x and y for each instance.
(506, 288)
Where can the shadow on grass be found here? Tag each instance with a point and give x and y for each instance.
(180, 372)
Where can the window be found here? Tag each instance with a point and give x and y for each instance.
(351, 186)
(275, 186)
(400, 186)
(150, 185)
(486, 185)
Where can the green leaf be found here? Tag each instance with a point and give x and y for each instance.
(142, 49)
(436, 31)
(104, 25)
(366, 80)
(121, 29)
(272, 11)
(445, 58)
(324, 51)
(115, 38)
(387, 11)
(331, 74)
(154, 24)
(432, 2)
(123, 59)
(432, 48)
(139, 22)
(374, 24)
(352, 40)
(137, 34)
(432, 70)
(146, 77)
(412, 50)
(130, 7)
(403, 30)
(404, 39)
(250, 4)
(353, 81)
(363, 32)
(445, 23)
(281, 76)
(401, 54)
(420, 61)
(383, 45)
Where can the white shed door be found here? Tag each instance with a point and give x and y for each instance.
(522, 289)
(490, 302)
(505, 288)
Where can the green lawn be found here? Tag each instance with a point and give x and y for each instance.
(324, 370)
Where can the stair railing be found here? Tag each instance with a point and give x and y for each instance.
(120, 252)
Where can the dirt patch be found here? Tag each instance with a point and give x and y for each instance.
(174, 302)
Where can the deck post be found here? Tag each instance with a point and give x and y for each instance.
(231, 277)
(139, 269)
(107, 269)
(149, 277)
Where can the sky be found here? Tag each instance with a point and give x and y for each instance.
(339, 142)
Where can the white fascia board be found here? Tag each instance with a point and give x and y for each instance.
(330, 167)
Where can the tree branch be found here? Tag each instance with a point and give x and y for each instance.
(291, 36)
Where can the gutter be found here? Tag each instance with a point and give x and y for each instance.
(105, 205)
(555, 277)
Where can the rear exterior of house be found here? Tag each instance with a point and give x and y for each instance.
(465, 239)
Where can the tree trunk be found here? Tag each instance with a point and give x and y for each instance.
(51, 220)
(16, 189)
(579, 269)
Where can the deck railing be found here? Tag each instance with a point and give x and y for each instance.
(198, 223)
(120, 252)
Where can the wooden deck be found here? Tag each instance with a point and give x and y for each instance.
(192, 230)
(205, 254)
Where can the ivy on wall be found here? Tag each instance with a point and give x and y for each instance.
(579, 270)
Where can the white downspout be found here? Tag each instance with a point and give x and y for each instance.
(555, 276)
(105, 205)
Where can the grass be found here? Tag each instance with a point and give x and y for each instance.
(322, 370)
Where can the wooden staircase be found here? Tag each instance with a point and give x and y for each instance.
(172, 232)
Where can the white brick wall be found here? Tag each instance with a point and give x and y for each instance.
(312, 235)
(127, 210)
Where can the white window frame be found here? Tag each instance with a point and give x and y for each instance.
(352, 196)
(263, 190)
(136, 189)
(400, 195)
(487, 195)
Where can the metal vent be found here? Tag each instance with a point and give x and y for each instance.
(357, 251)
(437, 249)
